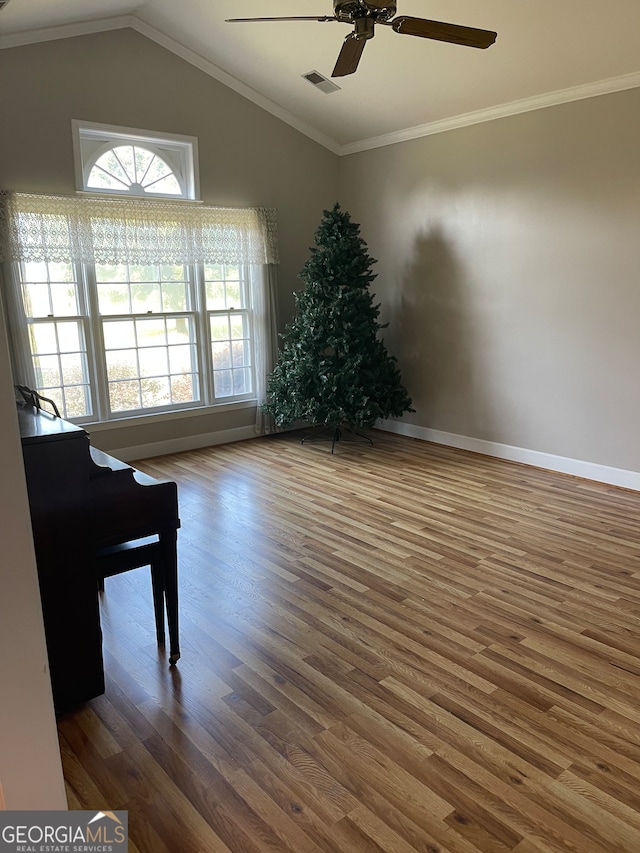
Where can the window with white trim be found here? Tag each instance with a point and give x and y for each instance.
(128, 306)
(114, 160)
(112, 340)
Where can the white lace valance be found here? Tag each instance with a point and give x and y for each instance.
(97, 230)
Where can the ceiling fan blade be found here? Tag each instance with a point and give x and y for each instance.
(349, 56)
(454, 33)
(295, 18)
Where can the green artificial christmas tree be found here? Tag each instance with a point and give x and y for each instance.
(334, 369)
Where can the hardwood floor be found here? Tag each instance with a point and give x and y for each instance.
(398, 648)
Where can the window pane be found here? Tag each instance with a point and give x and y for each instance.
(174, 296)
(76, 402)
(73, 369)
(153, 361)
(242, 381)
(70, 337)
(43, 338)
(124, 396)
(182, 359)
(111, 272)
(57, 395)
(221, 355)
(151, 332)
(233, 295)
(138, 272)
(184, 388)
(222, 383)
(231, 273)
(142, 161)
(213, 272)
(216, 299)
(155, 392)
(36, 300)
(238, 323)
(167, 186)
(61, 272)
(119, 334)
(110, 163)
(122, 364)
(113, 298)
(35, 271)
(241, 353)
(101, 180)
(125, 155)
(145, 297)
(47, 370)
(173, 272)
(220, 328)
(64, 299)
(180, 330)
(155, 170)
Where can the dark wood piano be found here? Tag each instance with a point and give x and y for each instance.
(83, 500)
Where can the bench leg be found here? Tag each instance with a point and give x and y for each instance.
(157, 586)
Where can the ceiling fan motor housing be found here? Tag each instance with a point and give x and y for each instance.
(350, 10)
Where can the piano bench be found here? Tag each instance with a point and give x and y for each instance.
(134, 554)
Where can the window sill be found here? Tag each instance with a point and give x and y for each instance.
(159, 417)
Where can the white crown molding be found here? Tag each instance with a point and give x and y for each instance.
(564, 465)
(537, 102)
(66, 31)
(241, 88)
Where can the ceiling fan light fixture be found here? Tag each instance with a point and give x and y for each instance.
(364, 28)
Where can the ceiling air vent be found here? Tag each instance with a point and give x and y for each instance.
(320, 82)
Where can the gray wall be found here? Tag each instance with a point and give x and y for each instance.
(30, 767)
(247, 156)
(509, 271)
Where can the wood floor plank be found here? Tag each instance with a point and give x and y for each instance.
(391, 648)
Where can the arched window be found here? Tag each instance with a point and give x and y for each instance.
(136, 169)
(126, 161)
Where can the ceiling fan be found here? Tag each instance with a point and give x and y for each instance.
(364, 16)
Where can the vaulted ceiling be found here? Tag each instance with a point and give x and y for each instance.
(547, 52)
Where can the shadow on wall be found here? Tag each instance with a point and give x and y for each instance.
(438, 344)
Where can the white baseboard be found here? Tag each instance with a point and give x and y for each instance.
(564, 465)
(177, 445)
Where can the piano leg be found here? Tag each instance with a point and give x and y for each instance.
(170, 540)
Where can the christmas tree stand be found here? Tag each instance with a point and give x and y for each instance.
(334, 435)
